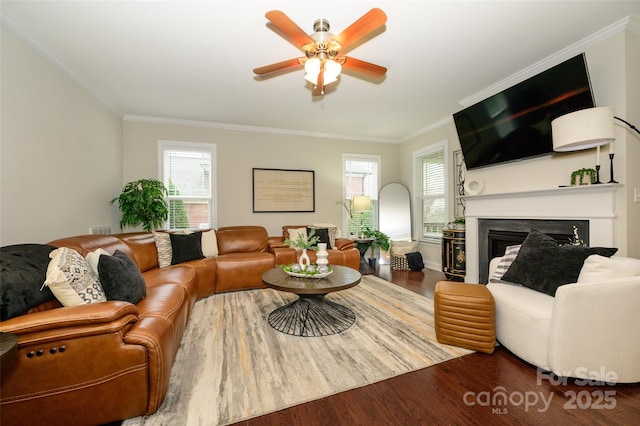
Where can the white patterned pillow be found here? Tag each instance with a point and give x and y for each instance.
(510, 253)
(72, 280)
(163, 244)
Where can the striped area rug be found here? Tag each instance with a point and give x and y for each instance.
(233, 366)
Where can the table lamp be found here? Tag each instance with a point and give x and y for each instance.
(361, 203)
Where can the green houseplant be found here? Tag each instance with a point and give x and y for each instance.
(142, 202)
(380, 242)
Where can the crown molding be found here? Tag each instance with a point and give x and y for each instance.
(631, 23)
(251, 129)
(427, 129)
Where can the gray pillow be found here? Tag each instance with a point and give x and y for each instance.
(544, 265)
(120, 278)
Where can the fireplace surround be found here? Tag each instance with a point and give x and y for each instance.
(590, 208)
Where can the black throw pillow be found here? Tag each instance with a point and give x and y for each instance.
(322, 234)
(23, 270)
(186, 247)
(414, 260)
(120, 278)
(543, 265)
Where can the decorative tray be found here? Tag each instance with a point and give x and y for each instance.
(312, 275)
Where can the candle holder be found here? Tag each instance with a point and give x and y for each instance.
(597, 174)
(611, 161)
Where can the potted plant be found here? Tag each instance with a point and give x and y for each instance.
(142, 202)
(309, 243)
(380, 242)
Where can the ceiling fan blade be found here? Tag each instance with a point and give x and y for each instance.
(363, 67)
(291, 31)
(279, 66)
(369, 22)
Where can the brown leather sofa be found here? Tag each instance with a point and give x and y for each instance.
(98, 363)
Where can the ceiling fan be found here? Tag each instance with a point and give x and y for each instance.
(322, 61)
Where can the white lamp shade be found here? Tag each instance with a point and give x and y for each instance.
(332, 70)
(361, 203)
(583, 129)
(312, 69)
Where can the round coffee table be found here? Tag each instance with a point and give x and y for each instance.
(312, 314)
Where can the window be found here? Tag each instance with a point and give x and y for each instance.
(188, 171)
(361, 177)
(430, 171)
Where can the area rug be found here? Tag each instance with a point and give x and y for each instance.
(233, 366)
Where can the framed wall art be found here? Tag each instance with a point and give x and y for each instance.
(280, 190)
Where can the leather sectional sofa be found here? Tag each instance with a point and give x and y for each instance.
(101, 362)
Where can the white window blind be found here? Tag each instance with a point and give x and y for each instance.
(188, 172)
(430, 191)
(362, 177)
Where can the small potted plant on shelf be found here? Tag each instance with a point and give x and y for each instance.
(142, 202)
(380, 242)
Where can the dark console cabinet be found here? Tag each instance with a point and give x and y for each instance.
(453, 254)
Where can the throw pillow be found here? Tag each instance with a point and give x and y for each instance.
(400, 248)
(186, 247)
(71, 279)
(334, 232)
(295, 232)
(209, 243)
(543, 265)
(121, 279)
(23, 269)
(163, 245)
(93, 258)
(510, 254)
(599, 268)
(322, 234)
(415, 262)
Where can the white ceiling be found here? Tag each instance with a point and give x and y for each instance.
(184, 60)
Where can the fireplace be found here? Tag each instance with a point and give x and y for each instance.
(554, 211)
(495, 235)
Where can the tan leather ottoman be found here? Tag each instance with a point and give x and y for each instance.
(465, 316)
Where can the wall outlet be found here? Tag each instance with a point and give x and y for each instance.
(636, 195)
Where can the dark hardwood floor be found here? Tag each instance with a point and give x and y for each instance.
(475, 389)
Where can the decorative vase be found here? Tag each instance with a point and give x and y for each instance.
(322, 254)
(304, 259)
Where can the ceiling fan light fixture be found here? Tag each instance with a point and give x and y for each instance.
(312, 69)
(323, 63)
(332, 70)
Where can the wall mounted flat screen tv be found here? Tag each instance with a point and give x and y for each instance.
(516, 123)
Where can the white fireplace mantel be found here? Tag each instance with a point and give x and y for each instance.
(594, 203)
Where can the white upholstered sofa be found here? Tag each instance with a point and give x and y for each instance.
(589, 330)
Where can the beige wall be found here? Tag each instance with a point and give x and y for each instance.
(61, 151)
(238, 152)
(613, 68)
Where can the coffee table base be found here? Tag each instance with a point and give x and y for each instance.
(311, 316)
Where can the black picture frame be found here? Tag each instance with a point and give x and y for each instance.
(283, 191)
